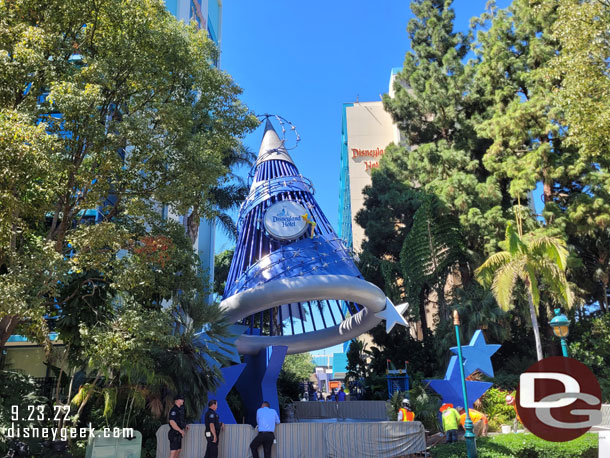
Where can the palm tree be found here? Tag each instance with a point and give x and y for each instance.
(226, 196)
(532, 259)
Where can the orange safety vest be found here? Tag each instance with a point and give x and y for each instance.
(406, 414)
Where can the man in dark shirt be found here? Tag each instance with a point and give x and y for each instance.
(177, 426)
(212, 430)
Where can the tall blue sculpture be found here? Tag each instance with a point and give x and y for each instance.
(292, 282)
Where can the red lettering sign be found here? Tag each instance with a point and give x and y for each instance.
(367, 152)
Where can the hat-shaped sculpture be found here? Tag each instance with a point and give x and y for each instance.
(291, 281)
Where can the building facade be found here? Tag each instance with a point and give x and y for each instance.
(366, 131)
(207, 14)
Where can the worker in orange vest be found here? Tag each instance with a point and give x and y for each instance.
(479, 420)
(405, 413)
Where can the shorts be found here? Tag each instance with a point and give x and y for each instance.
(175, 439)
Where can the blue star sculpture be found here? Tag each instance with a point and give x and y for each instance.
(477, 355)
(450, 388)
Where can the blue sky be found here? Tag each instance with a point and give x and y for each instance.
(303, 60)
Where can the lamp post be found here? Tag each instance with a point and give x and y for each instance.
(471, 444)
(560, 324)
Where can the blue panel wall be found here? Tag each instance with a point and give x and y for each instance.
(345, 206)
(214, 19)
(339, 363)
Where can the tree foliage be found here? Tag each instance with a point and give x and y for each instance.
(110, 109)
(536, 260)
(478, 137)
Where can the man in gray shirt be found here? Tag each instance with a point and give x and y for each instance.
(266, 420)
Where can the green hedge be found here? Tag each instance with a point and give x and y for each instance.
(522, 446)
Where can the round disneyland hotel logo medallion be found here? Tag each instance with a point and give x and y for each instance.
(284, 220)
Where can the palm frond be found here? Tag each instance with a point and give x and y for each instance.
(229, 196)
(110, 395)
(551, 247)
(156, 407)
(227, 225)
(485, 273)
(532, 283)
(504, 282)
(514, 244)
(557, 283)
(83, 391)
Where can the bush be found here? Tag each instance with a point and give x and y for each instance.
(17, 389)
(522, 446)
(493, 404)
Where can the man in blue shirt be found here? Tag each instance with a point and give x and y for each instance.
(266, 420)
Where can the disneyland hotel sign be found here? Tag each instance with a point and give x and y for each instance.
(368, 153)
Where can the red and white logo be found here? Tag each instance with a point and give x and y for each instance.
(559, 399)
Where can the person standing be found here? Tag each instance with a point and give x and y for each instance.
(266, 419)
(212, 429)
(451, 420)
(177, 426)
(510, 400)
(405, 413)
(341, 395)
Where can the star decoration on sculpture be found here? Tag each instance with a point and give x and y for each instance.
(393, 315)
(477, 355)
(450, 388)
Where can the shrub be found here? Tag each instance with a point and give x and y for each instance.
(493, 404)
(17, 389)
(522, 446)
(424, 405)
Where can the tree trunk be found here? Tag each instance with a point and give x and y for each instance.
(535, 327)
(192, 224)
(422, 313)
(7, 326)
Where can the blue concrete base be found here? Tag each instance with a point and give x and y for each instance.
(230, 375)
(258, 382)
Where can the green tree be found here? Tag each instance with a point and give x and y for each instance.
(222, 264)
(296, 370)
(589, 342)
(542, 66)
(583, 100)
(533, 259)
(437, 108)
(300, 364)
(133, 117)
(514, 46)
(357, 361)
